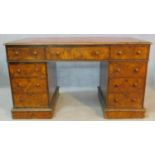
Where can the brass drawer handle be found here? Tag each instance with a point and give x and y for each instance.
(97, 52)
(133, 100)
(19, 85)
(18, 70)
(116, 100)
(135, 84)
(36, 69)
(118, 70)
(35, 52)
(119, 53)
(37, 85)
(138, 52)
(116, 85)
(16, 53)
(57, 53)
(136, 70)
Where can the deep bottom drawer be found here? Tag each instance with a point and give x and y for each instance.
(30, 100)
(125, 101)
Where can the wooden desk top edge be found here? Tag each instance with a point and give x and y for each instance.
(78, 41)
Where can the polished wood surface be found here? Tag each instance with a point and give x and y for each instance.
(33, 73)
(78, 41)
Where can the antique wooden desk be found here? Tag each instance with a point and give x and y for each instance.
(32, 69)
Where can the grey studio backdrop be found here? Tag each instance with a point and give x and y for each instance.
(74, 74)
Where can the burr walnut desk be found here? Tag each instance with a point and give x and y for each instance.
(32, 70)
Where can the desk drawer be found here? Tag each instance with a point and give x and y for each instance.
(78, 53)
(31, 85)
(25, 53)
(126, 84)
(30, 100)
(58, 53)
(125, 101)
(127, 69)
(129, 52)
(92, 53)
(27, 70)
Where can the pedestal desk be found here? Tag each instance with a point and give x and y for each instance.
(33, 78)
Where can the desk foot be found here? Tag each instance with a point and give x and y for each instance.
(36, 113)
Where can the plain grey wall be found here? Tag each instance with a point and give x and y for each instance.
(74, 74)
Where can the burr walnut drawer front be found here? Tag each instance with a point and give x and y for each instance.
(92, 53)
(29, 85)
(129, 52)
(127, 69)
(59, 53)
(78, 53)
(126, 101)
(25, 53)
(126, 84)
(30, 100)
(27, 70)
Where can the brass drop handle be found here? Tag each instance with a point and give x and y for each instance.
(138, 52)
(18, 70)
(35, 52)
(17, 53)
(119, 53)
(136, 70)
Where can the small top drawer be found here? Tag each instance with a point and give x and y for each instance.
(127, 69)
(130, 52)
(59, 53)
(25, 53)
(92, 53)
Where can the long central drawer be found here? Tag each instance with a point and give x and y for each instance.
(78, 53)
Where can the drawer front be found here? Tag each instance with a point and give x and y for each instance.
(31, 85)
(30, 100)
(129, 52)
(57, 53)
(126, 84)
(25, 53)
(78, 53)
(92, 53)
(27, 70)
(125, 101)
(127, 69)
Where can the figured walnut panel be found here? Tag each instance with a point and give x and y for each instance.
(126, 84)
(77, 53)
(32, 85)
(27, 70)
(30, 100)
(127, 69)
(125, 100)
(129, 52)
(25, 53)
(92, 53)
